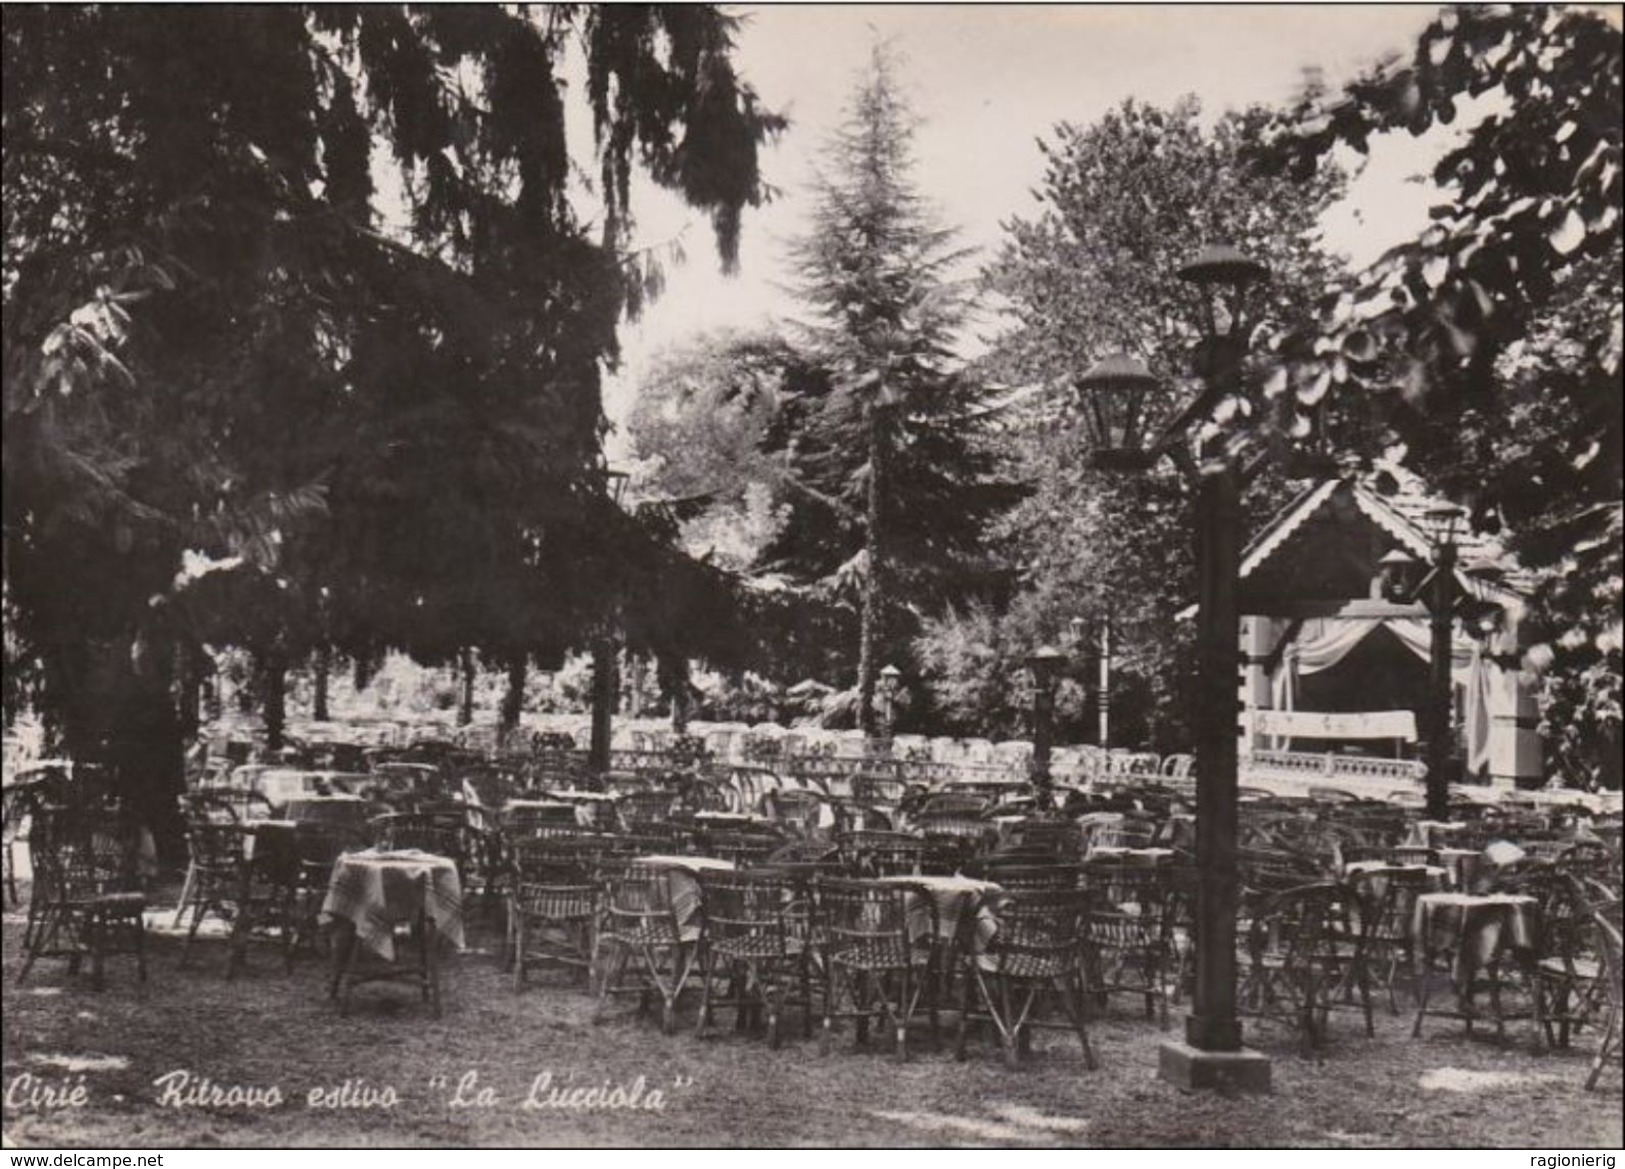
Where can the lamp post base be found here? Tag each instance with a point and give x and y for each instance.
(1189, 1067)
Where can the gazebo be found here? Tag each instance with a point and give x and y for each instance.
(1335, 662)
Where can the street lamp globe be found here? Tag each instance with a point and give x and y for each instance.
(1045, 663)
(1398, 572)
(1114, 393)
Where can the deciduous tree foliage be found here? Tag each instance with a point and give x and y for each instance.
(214, 340)
(1493, 339)
(1124, 202)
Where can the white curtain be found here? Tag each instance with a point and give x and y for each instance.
(1322, 642)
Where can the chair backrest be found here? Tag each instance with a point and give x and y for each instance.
(966, 804)
(214, 807)
(1039, 934)
(1135, 890)
(79, 852)
(555, 862)
(742, 848)
(854, 912)
(641, 809)
(214, 845)
(1021, 876)
(517, 822)
(1605, 921)
(431, 833)
(1319, 923)
(319, 843)
(639, 890)
(764, 910)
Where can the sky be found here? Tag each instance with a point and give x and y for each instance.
(988, 81)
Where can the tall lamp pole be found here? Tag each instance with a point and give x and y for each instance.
(1212, 1054)
(1440, 592)
(1045, 664)
(890, 681)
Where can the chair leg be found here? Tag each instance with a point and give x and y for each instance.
(964, 1013)
(1072, 1002)
(515, 943)
(141, 948)
(1423, 994)
(97, 927)
(431, 961)
(707, 977)
(1609, 1040)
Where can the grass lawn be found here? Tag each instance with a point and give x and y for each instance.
(269, 1028)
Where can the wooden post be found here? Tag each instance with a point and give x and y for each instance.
(603, 701)
(1212, 1024)
(1440, 754)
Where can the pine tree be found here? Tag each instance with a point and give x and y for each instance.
(892, 478)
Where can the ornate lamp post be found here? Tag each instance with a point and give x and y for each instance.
(1212, 1054)
(1442, 593)
(890, 682)
(1045, 665)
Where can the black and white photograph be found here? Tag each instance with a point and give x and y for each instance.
(779, 576)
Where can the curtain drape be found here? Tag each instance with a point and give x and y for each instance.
(1322, 642)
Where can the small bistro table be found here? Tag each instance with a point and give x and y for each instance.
(373, 892)
(1475, 935)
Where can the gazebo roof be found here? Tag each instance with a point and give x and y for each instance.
(1397, 502)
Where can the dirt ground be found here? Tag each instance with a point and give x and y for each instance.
(117, 1052)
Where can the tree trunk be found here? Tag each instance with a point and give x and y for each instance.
(189, 708)
(603, 701)
(873, 585)
(273, 672)
(465, 711)
(365, 667)
(680, 697)
(323, 666)
(513, 700)
(121, 713)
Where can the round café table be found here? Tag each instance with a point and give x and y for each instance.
(373, 892)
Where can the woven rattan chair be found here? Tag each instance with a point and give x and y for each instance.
(758, 941)
(1302, 949)
(552, 907)
(1036, 948)
(642, 810)
(85, 870)
(799, 809)
(1606, 921)
(213, 876)
(649, 942)
(1130, 938)
(876, 970)
(882, 854)
(1388, 903)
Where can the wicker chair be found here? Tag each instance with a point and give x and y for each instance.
(1130, 945)
(799, 809)
(1037, 947)
(1606, 921)
(651, 938)
(1388, 901)
(91, 902)
(863, 929)
(269, 900)
(213, 876)
(640, 810)
(317, 846)
(552, 907)
(883, 854)
(1302, 950)
(1017, 875)
(758, 940)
